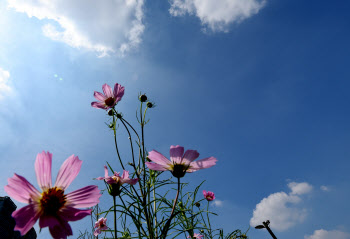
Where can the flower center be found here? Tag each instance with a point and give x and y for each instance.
(179, 170)
(116, 179)
(52, 200)
(110, 101)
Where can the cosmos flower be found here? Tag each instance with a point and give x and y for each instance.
(100, 225)
(110, 98)
(53, 207)
(179, 163)
(210, 196)
(196, 235)
(116, 181)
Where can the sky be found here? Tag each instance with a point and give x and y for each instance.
(263, 86)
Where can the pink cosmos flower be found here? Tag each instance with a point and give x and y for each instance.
(210, 196)
(179, 163)
(110, 98)
(52, 206)
(196, 235)
(100, 225)
(116, 181)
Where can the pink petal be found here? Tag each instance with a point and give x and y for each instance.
(156, 167)
(68, 171)
(107, 90)
(99, 96)
(98, 105)
(61, 231)
(106, 174)
(26, 217)
(158, 158)
(118, 92)
(97, 232)
(84, 197)
(48, 221)
(176, 153)
(201, 164)
(125, 175)
(73, 214)
(189, 156)
(43, 170)
(129, 181)
(21, 190)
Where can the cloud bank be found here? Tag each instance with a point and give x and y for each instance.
(323, 234)
(4, 83)
(105, 27)
(217, 15)
(282, 208)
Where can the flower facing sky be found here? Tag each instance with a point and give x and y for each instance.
(179, 163)
(196, 235)
(115, 181)
(110, 98)
(100, 225)
(210, 196)
(53, 207)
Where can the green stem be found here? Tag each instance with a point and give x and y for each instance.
(211, 236)
(115, 142)
(115, 218)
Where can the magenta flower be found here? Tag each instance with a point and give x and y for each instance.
(210, 196)
(196, 235)
(100, 225)
(116, 181)
(179, 163)
(110, 98)
(52, 206)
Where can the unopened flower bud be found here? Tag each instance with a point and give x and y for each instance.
(111, 125)
(149, 104)
(110, 112)
(143, 98)
(197, 204)
(202, 231)
(119, 116)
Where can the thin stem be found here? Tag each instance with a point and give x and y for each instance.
(210, 234)
(167, 225)
(115, 142)
(177, 196)
(155, 208)
(115, 218)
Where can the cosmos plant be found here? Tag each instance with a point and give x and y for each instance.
(150, 198)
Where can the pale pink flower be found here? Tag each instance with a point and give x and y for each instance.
(52, 206)
(110, 98)
(179, 163)
(210, 196)
(115, 181)
(196, 235)
(100, 225)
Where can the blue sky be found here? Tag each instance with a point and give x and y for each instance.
(260, 85)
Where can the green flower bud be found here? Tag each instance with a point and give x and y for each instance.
(110, 112)
(143, 98)
(149, 104)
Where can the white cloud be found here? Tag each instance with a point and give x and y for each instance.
(323, 234)
(217, 203)
(299, 188)
(281, 208)
(5, 89)
(325, 188)
(105, 27)
(217, 15)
